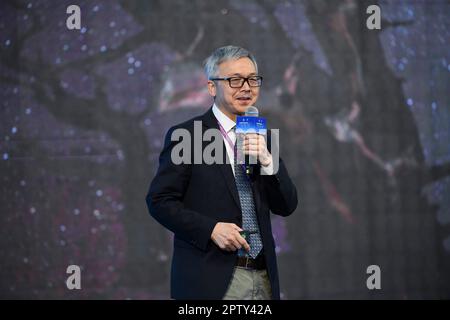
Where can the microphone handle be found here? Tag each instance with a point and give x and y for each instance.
(248, 169)
(250, 166)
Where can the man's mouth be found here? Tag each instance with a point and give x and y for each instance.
(244, 98)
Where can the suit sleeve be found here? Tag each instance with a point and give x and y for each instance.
(164, 200)
(279, 188)
(280, 191)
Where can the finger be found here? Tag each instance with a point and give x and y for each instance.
(261, 141)
(251, 135)
(243, 243)
(251, 147)
(231, 247)
(236, 242)
(236, 227)
(254, 140)
(251, 140)
(252, 153)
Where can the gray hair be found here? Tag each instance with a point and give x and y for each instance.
(223, 54)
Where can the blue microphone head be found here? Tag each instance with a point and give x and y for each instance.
(252, 112)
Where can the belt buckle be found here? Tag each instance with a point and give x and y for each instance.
(246, 262)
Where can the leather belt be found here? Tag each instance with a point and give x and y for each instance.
(246, 262)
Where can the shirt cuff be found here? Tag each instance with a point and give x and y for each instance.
(267, 171)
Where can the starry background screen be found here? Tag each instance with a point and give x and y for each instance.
(364, 125)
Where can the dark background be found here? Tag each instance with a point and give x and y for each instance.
(363, 116)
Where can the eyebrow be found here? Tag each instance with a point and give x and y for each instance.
(240, 75)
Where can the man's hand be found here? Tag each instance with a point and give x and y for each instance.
(255, 145)
(227, 237)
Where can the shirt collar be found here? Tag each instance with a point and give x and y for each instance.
(226, 122)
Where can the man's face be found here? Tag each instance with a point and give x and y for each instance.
(234, 101)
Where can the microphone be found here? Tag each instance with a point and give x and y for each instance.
(252, 111)
(251, 161)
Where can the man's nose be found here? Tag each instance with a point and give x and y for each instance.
(245, 86)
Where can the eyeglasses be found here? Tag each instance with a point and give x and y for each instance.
(238, 82)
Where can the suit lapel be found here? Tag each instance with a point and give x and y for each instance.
(229, 179)
(210, 121)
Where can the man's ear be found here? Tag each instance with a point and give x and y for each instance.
(212, 88)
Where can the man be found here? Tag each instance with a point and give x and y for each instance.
(213, 209)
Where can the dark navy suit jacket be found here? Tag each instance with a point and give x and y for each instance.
(189, 199)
